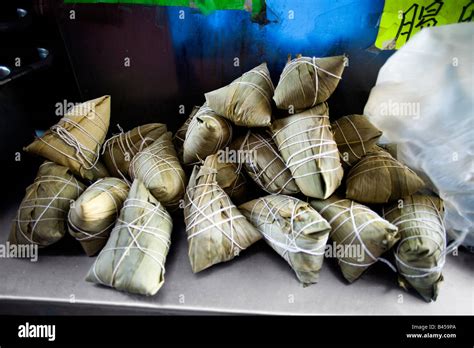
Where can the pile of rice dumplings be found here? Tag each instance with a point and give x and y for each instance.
(298, 181)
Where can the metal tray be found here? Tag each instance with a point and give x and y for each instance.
(257, 282)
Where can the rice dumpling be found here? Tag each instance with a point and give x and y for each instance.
(420, 255)
(306, 143)
(119, 150)
(360, 234)
(307, 81)
(133, 260)
(355, 136)
(246, 101)
(207, 133)
(75, 141)
(231, 179)
(380, 178)
(180, 135)
(158, 167)
(264, 164)
(217, 231)
(293, 229)
(42, 216)
(93, 214)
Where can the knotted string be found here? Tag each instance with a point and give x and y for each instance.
(136, 228)
(312, 62)
(217, 205)
(216, 122)
(28, 203)
(432, 221)
(268, 215)
(356, 131)
(258, 173)
(86, 157)
(125, 144)
(262, 91)
(315, 146)
(351, 213)
(106, 188)
(160, 159)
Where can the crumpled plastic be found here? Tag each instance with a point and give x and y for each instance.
(423, 102)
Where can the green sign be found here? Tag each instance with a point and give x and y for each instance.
(401, 19)
(205, 6)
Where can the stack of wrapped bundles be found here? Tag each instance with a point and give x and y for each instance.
(75, 141)
(247, 100)
(355, 137)
(206, 134)
(421, 253)
(158, 167)
(293, 229)
(42, 216)
(363, 234)
(380, 178)
(92, 216)
(300, 153)
(306, 143)
(119, 150)
(217, 231)
(133, 259)
(264, 164)
(306, 82)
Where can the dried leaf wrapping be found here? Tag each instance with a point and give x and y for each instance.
(207, 133)
(420, 255)
(180, 135)
(119, 150)
(264, 164)
(75, 141)
(246, 101)
(42, 216)
(380, 178)
(93, 214)
(355, 137)
(217, 231)
(133, 260)
(306, 81)
(293, 229)
(359, 233)
(306, 143)
(158, 167)
(232, 181)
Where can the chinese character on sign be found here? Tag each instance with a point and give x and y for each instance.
(428, 14)
(425, 17)
(467, 13)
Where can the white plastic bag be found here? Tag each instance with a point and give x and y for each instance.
(423, 101)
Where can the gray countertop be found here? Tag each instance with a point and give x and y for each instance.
(256, 282)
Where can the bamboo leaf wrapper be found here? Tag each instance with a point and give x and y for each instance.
(217, 231)
(356, 226)
(133, 260)
(42, 216)
(293, 229)
(306, 143)
(93, 214)
(421, 253)
(75, 141)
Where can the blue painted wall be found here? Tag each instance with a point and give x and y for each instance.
(175, 61)
(205, 46)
